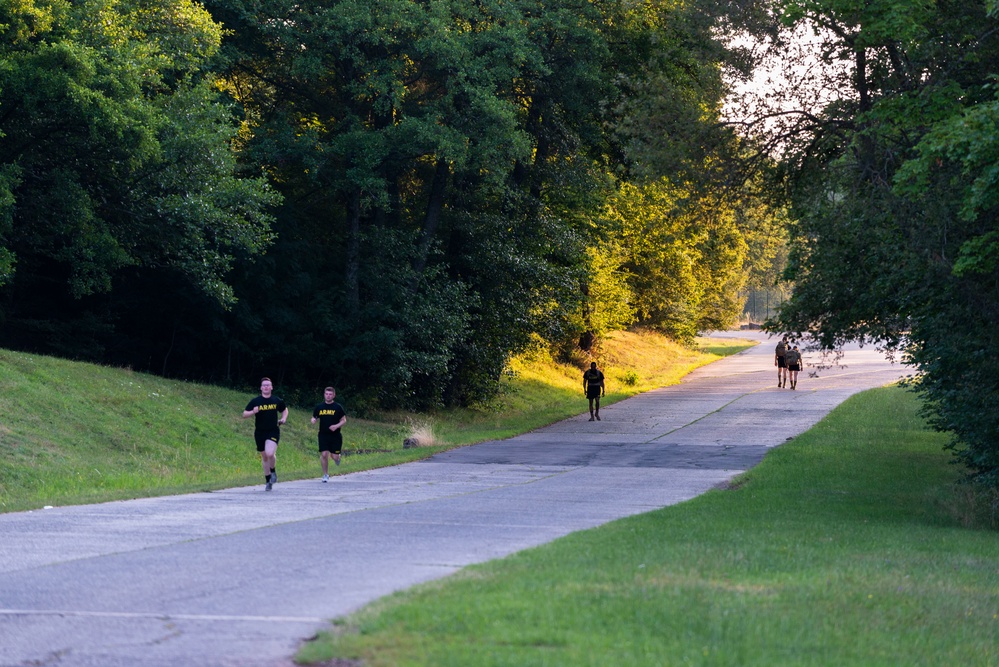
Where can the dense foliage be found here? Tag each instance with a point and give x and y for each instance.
(394, 195)
(115, 165)
(895, 200)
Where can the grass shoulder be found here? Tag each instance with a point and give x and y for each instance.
(843, 547)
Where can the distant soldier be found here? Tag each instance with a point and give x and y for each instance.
(331, 418)
(780, 361)
(269, 412)
(793, 365)
(593, 386)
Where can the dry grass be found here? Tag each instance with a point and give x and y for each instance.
(420, 433)
(644, 359)
(973, 506)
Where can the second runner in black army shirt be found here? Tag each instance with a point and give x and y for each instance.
(329, 414)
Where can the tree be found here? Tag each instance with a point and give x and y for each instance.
(384, 125)
(685, 257)
(114, 158)
(895, 218)
(608, 298)
(444, 170)
(443, 164)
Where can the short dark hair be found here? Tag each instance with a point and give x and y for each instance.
(333, 389)
(262, 380)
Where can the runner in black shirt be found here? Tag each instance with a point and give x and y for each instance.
(269, 412)
(331, 418)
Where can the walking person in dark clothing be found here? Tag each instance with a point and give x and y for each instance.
(593, 385)
(780, 361)
(794, 363)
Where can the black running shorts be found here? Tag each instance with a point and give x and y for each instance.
(261, 438)
(331, 442)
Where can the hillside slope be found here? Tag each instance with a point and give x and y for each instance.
(74, 432)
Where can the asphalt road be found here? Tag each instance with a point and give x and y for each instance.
(240, 577)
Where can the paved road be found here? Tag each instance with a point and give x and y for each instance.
(239, 577)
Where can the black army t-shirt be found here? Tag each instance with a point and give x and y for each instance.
(270, 410)
(328, 414)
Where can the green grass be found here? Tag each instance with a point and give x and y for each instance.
(74, 433)
(843, 547)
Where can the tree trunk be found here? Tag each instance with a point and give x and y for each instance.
(166, 357)
(523, 172)
(866, 157)
(353, 253)
(432, 219)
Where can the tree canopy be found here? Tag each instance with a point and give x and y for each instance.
(894, 202)
(114, 159)
(394, 195)
(452, 165)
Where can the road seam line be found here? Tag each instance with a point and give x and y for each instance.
(160, 616)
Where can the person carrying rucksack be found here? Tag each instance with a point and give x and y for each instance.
(780, 361)
(793, 359)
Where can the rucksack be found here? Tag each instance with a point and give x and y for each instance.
(781, 349)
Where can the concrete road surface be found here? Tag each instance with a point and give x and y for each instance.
(240, 577)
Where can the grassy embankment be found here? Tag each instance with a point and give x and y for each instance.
(74, 433)
(843, 547)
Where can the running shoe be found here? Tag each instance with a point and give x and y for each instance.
(268, 487)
